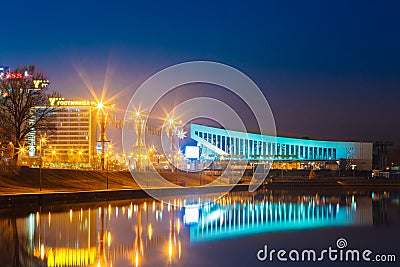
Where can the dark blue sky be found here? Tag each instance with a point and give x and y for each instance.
(330, 69)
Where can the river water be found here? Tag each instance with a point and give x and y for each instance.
(239, 229)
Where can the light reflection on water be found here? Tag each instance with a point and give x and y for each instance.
(149, 233)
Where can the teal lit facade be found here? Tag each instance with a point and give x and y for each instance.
(247, 146)
(219, 222)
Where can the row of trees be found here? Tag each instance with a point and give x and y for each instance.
(20, 93)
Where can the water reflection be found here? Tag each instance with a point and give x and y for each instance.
(145, 232)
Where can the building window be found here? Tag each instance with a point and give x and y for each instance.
(334, 153)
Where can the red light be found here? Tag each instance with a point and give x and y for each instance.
(14, 76)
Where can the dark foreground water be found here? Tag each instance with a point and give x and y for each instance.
(267, 228)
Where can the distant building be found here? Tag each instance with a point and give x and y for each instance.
(73, 142)
(286, 153)
(4, 71)
(380, 155)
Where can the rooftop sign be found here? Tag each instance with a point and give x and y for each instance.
(60, 101)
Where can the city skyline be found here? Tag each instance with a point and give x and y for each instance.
(329, 70)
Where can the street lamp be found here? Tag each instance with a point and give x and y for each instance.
(353, 167)
(139, 123)
(109, 148)
(41, 141)
(102, 117)
(172, 127)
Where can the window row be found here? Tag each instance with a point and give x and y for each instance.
(255, 148)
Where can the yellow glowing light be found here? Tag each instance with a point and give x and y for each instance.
(178, 226)
(70, 215)
(150, 231)
(69, 256)
(100, 105)
(49, 218)
(170, 250)
(109, 239)
(179, 249)
(137, 258)
(130, 211)
(42, 252)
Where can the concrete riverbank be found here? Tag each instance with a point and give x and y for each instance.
(76, 186)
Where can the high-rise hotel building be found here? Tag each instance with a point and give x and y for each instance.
(73, 138)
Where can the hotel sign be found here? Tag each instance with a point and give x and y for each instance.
(60, 101)
(40, 84)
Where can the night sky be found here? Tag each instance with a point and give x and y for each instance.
(330, 69)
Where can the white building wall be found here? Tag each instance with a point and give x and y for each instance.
(283, 148)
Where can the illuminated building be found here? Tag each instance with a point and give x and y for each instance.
(4, 71)
(289, 153)
(73, 141)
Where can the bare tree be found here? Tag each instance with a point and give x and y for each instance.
(21, 93)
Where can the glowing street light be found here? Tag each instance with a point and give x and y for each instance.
(173, 128)
(42, 140)
(139, 123)
(102, 118)
(100, 105)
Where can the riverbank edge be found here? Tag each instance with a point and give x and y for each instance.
(50, 198)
